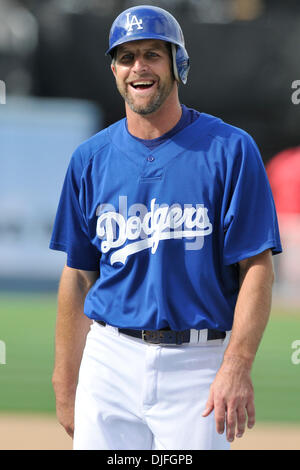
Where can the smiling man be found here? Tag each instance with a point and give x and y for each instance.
(169, 226)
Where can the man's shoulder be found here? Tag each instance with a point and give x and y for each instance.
(224, 131)
(97, 142)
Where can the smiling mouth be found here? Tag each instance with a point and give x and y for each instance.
(142, 84)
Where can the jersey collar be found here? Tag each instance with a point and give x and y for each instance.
(159, 157)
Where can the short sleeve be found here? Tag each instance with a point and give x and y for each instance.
(250, 223)
(70, 232)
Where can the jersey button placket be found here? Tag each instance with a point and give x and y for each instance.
(152, 172)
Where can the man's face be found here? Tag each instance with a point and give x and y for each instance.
(143, 74)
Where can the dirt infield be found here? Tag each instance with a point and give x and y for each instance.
(39, 432)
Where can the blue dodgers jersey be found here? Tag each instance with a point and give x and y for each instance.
(166, 227)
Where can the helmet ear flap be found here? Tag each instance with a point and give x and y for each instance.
(181, 63)
(175, 71)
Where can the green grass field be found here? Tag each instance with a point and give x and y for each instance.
(27, 324)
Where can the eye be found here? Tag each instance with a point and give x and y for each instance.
(152, 54)
(126, 57)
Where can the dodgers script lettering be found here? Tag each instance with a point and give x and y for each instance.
(160, 223)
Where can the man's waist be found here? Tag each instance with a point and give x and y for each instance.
(172, 337)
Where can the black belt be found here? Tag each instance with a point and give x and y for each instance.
(166, 336)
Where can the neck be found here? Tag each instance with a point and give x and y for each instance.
(154, 125)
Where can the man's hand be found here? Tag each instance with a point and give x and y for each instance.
(65, 410)
(232, 398)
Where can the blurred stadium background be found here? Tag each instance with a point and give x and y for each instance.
(57, 89)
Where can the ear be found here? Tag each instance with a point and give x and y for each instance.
(113, 69)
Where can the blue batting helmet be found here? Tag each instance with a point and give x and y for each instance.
(149, 22)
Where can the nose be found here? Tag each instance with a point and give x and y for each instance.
(139, 65)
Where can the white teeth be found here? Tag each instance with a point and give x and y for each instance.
(142, 83)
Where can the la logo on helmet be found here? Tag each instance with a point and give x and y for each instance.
(133, 21)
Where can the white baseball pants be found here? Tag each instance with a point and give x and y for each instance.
(138, 396)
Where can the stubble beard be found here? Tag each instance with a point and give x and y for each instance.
(155, 102)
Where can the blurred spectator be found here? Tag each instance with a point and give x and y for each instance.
(98, 7)
(284, 175)
(18, 41)
(225, 11)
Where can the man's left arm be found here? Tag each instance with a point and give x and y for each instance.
(231, 394)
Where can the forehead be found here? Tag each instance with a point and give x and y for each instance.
(143, 44)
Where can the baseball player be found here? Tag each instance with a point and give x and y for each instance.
(169, 226)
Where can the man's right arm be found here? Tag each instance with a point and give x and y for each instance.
(72, 327)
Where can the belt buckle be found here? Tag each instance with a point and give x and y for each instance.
(159, 337)
(150, 336)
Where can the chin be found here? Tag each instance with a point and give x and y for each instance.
(144, 110)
